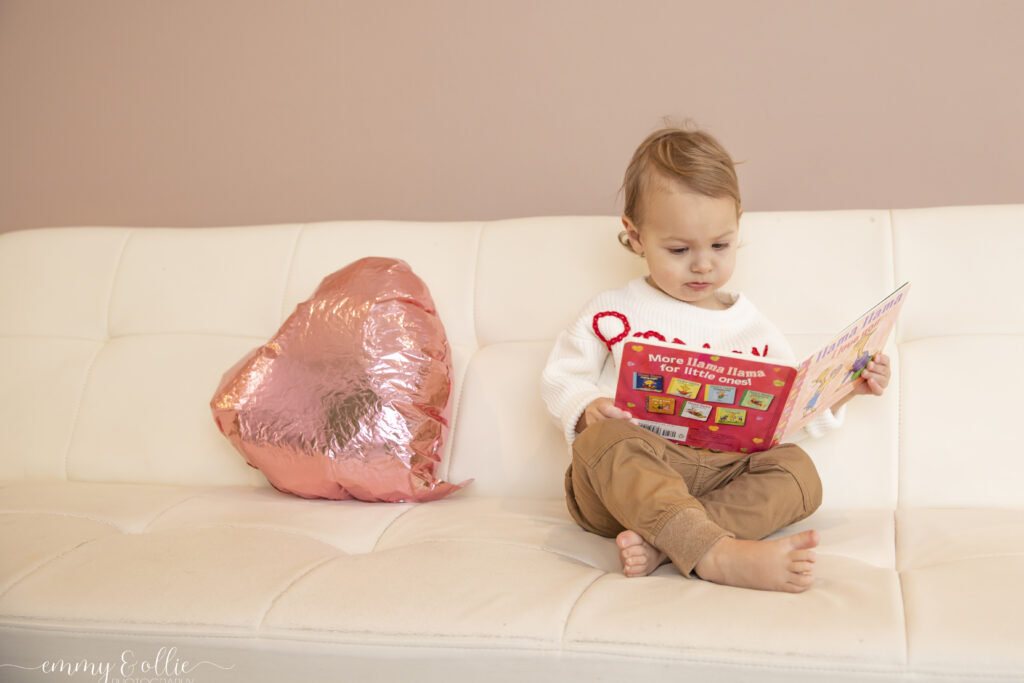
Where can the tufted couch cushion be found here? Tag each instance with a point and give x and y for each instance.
(128, 523)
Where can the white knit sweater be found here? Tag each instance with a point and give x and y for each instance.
(584, 363)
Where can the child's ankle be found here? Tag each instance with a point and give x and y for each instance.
(708, 565)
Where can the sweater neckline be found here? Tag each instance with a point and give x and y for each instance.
(648, 293)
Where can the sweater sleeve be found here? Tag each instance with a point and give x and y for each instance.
(572, 376)
(821, 425)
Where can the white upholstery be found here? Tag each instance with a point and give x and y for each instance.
(127, 522)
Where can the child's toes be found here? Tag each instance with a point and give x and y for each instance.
(632, 551)
(800, 582)
(636, 566)
(629, 539)
(801, 567)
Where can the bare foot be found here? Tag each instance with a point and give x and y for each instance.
(639, 558)
(784, 564)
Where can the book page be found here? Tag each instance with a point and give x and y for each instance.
(834, 370)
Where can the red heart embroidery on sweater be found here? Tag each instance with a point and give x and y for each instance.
(614, 340)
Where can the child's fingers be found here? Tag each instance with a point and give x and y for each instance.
(876, 376)
(616, 413)
(876, 382)
(603, 409)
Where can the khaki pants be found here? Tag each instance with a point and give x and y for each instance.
(680, 499)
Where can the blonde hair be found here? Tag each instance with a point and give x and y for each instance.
(691, 158)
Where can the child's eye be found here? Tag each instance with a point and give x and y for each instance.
(720, 245)
(679, 250)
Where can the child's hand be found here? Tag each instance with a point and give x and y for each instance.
(600, 409)
(876, 376)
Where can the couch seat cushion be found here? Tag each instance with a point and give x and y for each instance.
(467, 576)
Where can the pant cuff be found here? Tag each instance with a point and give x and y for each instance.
(687, 536)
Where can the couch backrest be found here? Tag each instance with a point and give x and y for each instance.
(112, 340)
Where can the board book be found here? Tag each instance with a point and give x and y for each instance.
(740, 403)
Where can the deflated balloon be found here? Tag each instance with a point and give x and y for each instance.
(350, 399)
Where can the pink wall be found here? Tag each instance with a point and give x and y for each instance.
(215, 112)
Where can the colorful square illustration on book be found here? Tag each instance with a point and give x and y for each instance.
(683, 387)
(717, 394)
(696, 411)
(661, 405)
(734, 417)
(647, 382)
(758, 400)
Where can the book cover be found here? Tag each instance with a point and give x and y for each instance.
(738, 403)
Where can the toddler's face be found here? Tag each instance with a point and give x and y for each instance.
(689, 243)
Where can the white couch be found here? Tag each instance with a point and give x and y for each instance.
(135, 540)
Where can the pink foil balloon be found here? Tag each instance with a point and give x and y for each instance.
(350, 397)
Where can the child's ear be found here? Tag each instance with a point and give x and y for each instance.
(632, 236)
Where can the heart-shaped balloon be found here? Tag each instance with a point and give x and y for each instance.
(350, 398)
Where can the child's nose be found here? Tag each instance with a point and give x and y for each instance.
(701, 264)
